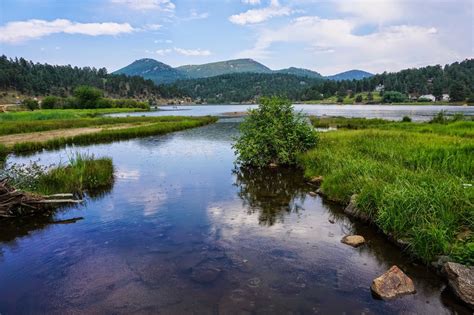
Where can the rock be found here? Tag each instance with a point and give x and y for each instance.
(312, 193)
(353, 240)
(316, 180)
(392, 284)
(352, 210)
(461, 281)
(438, 264)
(205, 275)
(272, 165)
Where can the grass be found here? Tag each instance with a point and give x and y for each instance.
(377, 99)
(47, 114)
(413, 180)
(83, 173)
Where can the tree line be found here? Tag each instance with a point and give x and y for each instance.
(35, 79)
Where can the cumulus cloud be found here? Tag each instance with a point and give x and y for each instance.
(153, 27)
(254, 16)
(20, 31)
(192, 52)
(251, 2)
(162, 52)
(379, 11)
(144, 5)
(387, 48)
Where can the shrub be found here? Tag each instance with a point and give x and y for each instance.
(273, 133)
(358, 98)
(31, 104)
(406, 119)
(87, 96)
(50, 102)
(393, 97)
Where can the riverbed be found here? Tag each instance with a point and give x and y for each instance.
(183, 230)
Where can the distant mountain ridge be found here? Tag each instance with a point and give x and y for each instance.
(350, 75)
(161, 73)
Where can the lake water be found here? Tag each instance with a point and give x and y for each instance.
(392, 112)
(184, 231)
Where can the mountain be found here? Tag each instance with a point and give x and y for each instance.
(223, 67)
(350, 75)
(300, 72)
(161, 73)
(151, 69)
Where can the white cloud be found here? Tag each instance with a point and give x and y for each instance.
(162, 52)
(161, 41)
(192, 52)
(251, 2)
(144, 5)
(388, 48)
(379, 11)
(261, 15)
(20, 31)
(194, 15)
(153, 27)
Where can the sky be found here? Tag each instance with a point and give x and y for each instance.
(328, 36)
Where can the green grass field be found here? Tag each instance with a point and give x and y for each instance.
(413, 180)
(61, 114)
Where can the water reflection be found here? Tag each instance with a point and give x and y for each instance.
(272, 193)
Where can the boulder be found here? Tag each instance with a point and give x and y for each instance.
(392, 284)
(312, 193)
(461, 281)
(353, 240)
(352, 210)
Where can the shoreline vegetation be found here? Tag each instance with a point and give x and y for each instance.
(26, 190)
(21, 132)
(413, 181)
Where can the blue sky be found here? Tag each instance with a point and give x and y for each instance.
(327, 36)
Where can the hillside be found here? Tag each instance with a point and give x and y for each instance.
(244, 87)
(153, 70)
(223, 67)
(350, 75)
(300, 72)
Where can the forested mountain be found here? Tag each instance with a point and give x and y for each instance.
(300, 72)
(38, 79)
(153, 70)
(244, 87)
(350, 75)
(163, 73)
(223, 67)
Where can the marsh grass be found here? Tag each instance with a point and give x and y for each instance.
(412, 183)
(47, 114)
(82, 173)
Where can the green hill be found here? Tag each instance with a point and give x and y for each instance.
(300, 72)
(153, 70)
(350, 75)
(223, 67)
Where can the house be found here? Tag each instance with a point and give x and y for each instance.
(379, 88)
(428, 97)
(445, 97)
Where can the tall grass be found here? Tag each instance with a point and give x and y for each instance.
(108, 135)
(46, 114)
(82, 173)
(413, 185)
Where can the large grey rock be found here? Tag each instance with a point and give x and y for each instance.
(352, 210)
(461, 281)
(392, 284)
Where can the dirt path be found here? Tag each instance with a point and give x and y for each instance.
(44, 136)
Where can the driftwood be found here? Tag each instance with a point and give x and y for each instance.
(15, 203)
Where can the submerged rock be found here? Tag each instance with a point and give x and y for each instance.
(353, 240)
(392, 284)
(461, 281)
(352, 210)
(312, 193)
(205, 275)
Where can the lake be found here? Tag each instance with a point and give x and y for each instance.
(392, 112)
(183, 230)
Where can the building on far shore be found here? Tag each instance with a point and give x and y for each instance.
(445, 97)
(428, 97)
